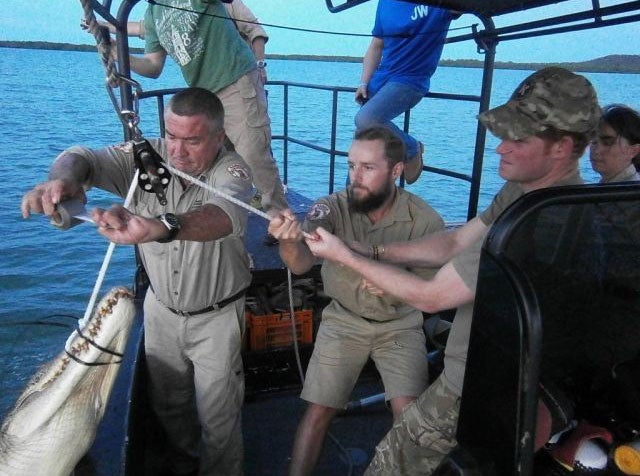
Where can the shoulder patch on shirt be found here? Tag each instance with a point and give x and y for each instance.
(126, 147)
(318, 211)
(238, 171)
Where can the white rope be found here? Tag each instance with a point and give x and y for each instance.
(226, 196)
(103, 269)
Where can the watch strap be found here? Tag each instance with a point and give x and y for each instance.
(173, 229)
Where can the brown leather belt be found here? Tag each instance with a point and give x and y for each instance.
(215, 307)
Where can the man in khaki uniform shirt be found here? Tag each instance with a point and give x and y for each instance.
(544, 129)
(359, 322)
(192, 249)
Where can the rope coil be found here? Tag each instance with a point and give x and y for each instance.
(103, 43)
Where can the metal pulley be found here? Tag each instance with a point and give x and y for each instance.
(154, 176)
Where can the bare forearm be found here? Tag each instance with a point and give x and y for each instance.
(371, 60)
(296, 256)
(150, 68)
(71, 168)
(432, 251)
(258, 47)
(436, 249)
(403, 285)
(205, 224)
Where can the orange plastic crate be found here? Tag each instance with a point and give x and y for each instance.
(267, 331)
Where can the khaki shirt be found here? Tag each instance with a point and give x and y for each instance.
(467, 265)
(184, 275)
(409, 218)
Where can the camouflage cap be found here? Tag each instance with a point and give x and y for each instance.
(552, 97)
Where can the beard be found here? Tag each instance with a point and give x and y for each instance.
(373, 200)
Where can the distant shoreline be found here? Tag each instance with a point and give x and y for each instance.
(628, 64)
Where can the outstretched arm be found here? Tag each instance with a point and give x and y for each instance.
(435, 249)
(445, 291)
(134, 28)
(67, 176)
(150, 64)
(119, 225)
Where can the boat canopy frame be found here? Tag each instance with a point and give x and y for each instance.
(486, 37)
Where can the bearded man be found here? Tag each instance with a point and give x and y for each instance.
(359, 322)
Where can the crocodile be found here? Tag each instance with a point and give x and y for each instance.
(54, 421)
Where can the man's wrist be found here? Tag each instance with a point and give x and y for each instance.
(172, 225)
(376, 252)
(141, 29)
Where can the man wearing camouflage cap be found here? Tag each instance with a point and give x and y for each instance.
(544, 129)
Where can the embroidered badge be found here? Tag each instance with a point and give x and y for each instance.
(318, 211)
(126, 147)
(238, 171)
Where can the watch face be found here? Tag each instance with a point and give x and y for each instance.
(172, 220)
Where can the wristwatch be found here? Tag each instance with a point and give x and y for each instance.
(261, 63)
(173, 225)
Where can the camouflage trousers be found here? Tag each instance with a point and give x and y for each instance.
(422, 436)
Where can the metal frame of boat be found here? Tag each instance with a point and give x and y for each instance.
(118, 447)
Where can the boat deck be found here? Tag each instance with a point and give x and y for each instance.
(270, 421)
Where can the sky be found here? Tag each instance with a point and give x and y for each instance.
(59, 20)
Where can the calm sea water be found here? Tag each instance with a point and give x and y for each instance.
(53, 99)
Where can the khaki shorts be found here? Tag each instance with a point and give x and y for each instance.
(345, 342)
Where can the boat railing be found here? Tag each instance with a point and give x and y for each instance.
(331, 149)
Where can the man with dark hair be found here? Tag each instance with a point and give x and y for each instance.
(193, 251)
(359, 323)
(544, 129)
(615, 149)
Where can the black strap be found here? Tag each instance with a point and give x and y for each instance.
(99, 347)
(215, 307)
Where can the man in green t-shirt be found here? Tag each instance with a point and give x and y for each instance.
(203, 40)
(544, 129)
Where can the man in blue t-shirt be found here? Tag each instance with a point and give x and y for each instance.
(403, 55)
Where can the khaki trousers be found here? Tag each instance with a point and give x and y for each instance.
(247, 124)
(197, 385)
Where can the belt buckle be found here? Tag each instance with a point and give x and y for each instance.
(182, 313)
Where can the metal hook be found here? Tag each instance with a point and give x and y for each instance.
(130, 119)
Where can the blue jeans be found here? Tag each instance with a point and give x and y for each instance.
(388, 103)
